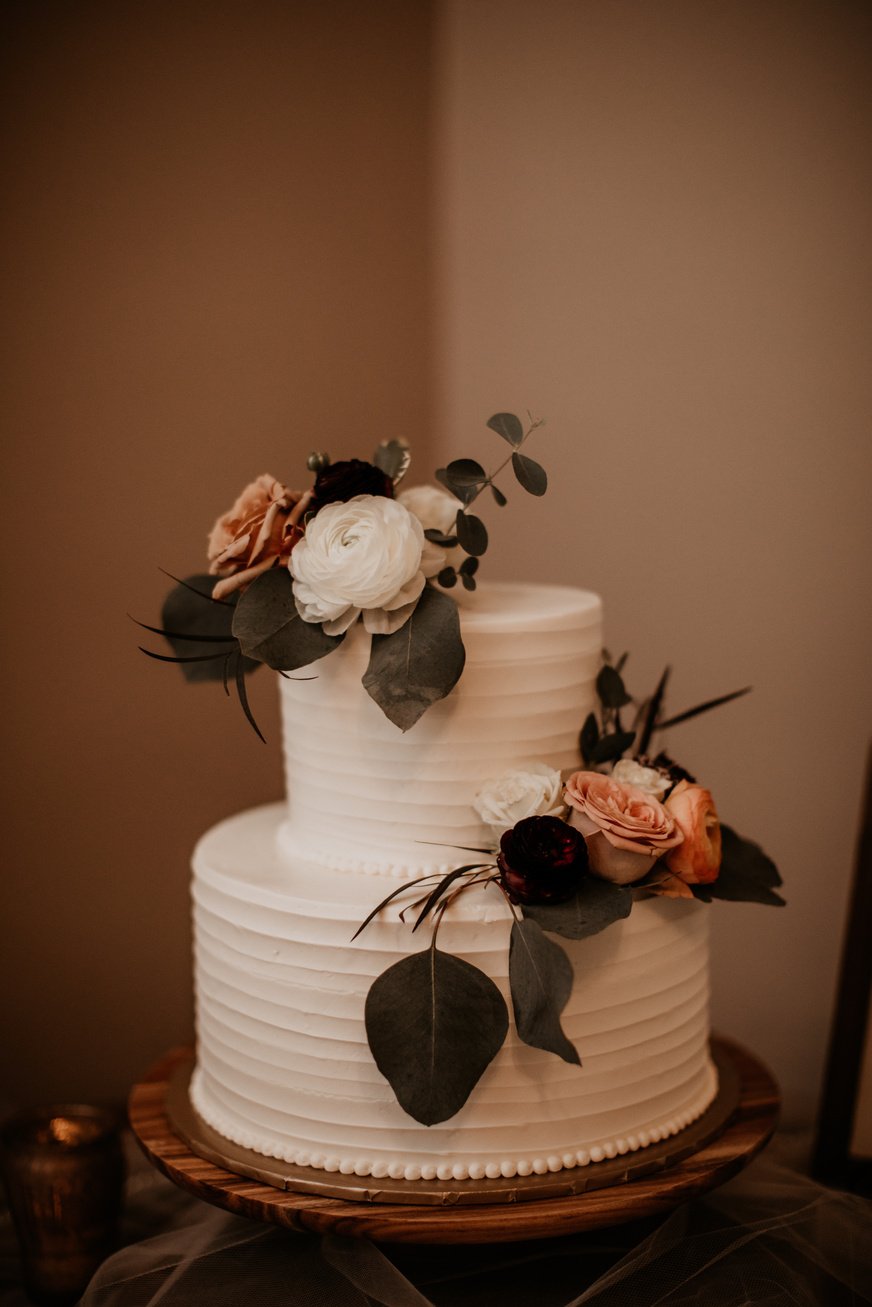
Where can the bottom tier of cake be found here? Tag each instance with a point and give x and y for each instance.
(284, 1067)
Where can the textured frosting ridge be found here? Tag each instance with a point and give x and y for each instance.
(285, 1068)
(363, 796)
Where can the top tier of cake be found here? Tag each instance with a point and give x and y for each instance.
(364, 796)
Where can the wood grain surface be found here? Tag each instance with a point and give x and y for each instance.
(744, 1135)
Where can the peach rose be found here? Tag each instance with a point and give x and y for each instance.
(697, 860)
(259, 530)
(626, 829)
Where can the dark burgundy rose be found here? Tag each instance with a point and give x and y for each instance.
(542, 860)
(339, 482)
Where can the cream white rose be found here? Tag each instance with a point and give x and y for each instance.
(359, 557)
(435, 509)
(648, 779)
(533, 791)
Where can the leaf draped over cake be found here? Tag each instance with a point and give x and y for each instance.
(418, 664)
(434, 1023)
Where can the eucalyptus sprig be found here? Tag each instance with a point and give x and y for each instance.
(465, 478)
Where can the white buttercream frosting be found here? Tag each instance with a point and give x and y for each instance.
(364, 796)
(284, 1064)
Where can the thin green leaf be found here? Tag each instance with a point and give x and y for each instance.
(243, 697)
(434, 897)
(654, 705)
(401, 889)
(703, 707)
(184, 635)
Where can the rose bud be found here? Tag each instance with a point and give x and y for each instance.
(626, 829)
(541, 860)
(697, 860)
(339, 482)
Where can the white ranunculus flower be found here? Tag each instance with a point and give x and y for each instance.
(648, 779)
(362, 556)
(531, 791)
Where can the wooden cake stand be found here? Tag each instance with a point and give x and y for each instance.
(645, 1184)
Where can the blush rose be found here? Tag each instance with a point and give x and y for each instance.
(259, 530)
(697, 859)
(626, 829)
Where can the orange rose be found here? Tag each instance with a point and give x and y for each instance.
(625, 828)
(697, 860)
(259, 530)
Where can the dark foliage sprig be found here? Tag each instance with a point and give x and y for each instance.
(465, 478)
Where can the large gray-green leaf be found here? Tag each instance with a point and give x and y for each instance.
(747, 874)
(434, 1023)
(269, 628)
(595, 905)
(540, 976)
(420, 663)
(199, 629)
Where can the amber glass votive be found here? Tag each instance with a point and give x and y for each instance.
(62, 1171)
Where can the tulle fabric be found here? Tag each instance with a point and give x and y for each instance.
(769, 1237)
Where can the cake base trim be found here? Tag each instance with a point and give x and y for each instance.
(425, 1169)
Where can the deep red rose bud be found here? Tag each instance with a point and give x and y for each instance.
(542, 860)
(339, 482)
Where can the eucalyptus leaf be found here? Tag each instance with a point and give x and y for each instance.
(418, 664)
(595, 905)
(447, 577)
(191, 619)
(612, 746)
(437, 537)
(498, 496)
(465, 492)
(471, 533)
(540, 977)
(434, 1022)
(466, 471)
(508, 426)
(747, 874)
(589, 738)
(531, 475)
(393, 458)
(610, 688)
(469, 567)
(270, 629)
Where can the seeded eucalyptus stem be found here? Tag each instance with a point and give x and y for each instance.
(534, 423)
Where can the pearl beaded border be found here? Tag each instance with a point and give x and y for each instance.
(505, 1169)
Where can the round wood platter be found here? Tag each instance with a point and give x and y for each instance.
(651, 1183)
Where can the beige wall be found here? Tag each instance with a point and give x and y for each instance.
(654, 231)
(216, 224)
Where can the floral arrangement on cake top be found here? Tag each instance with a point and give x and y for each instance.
(570, 855)
(290, 572)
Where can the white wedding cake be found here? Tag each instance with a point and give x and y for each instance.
(284, 1065)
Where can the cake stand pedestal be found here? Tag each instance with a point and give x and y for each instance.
(647, 1184)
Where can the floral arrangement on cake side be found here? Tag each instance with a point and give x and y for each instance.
(571, 854)
(290, 572)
